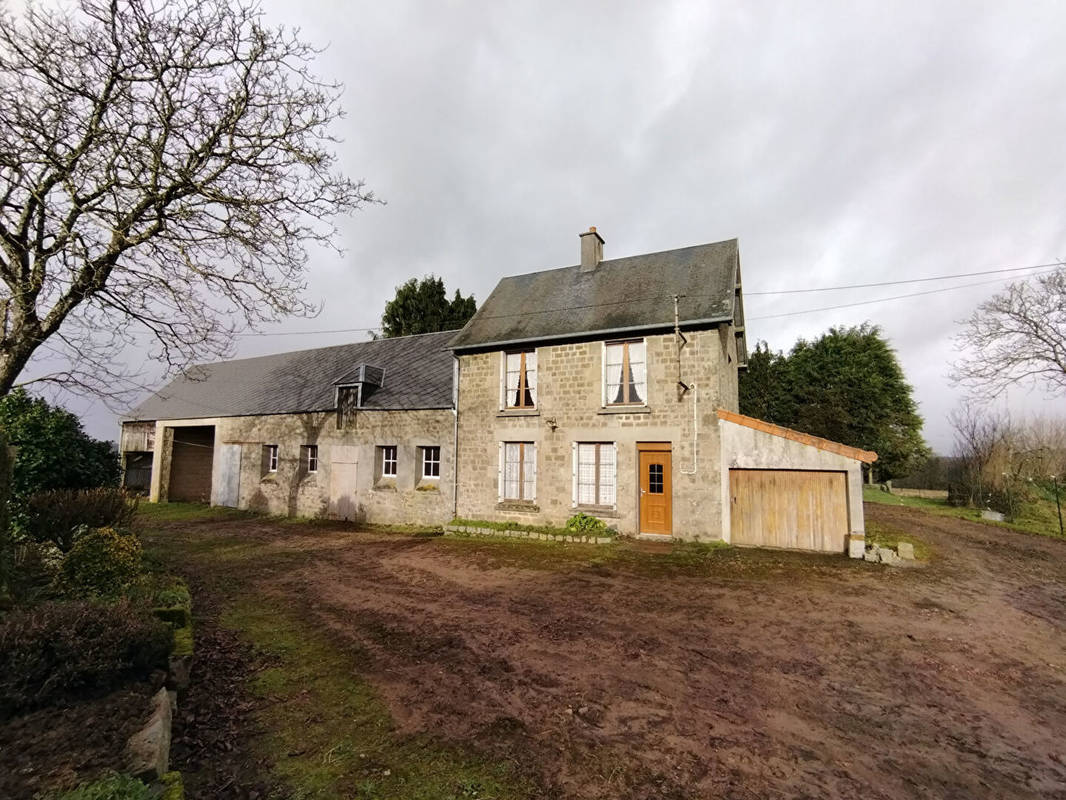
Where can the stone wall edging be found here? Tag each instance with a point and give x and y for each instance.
(512, 533)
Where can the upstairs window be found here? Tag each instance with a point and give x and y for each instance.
(625, 373)
(388, 461)
(595, 474)
(518, 471)
(430, 462)
(520, 380)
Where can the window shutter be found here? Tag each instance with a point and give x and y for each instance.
(503, 381)
(531, 375)
(534, 459)
(499, 477)
(573, 474)
(612, 455)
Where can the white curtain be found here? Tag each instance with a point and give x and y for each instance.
(614, 373)
(531, 375)
(514, 367)
(511, 471)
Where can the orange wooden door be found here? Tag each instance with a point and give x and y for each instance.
(655, 490)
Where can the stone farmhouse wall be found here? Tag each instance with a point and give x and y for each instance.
(294, 491)
(570, 409)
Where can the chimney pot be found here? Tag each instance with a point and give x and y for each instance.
(591, 249)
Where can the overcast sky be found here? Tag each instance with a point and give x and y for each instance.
(839, 142)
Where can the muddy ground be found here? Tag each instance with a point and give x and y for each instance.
(738, 674)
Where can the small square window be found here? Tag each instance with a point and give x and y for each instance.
(270, 458)
(389, 461)
(430, 462)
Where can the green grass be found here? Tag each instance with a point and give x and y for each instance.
(1037, 516)
(329, 733)
(185, 512)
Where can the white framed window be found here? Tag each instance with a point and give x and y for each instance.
(518, 471)
(518, 386)
(595, 472)
(625, 373)
(270, 457)
(311, 457)
(430, 462)
(389, 460)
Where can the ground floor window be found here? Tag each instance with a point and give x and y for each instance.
(595, 474)
(310, 458)
(430, 462)
(518, 468)
(389, 460)
(270, 458)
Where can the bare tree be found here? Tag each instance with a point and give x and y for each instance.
(163, 168)
(980, 438)
(1018, 335)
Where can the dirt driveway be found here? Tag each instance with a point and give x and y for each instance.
(693, 674)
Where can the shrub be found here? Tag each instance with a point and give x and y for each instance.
(56, 515)
(586, 524)
(112, 787)
(104, 562)
(56, 649)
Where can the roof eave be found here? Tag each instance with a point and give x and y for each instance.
(596, 334)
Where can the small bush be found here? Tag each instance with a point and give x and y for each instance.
(57, 649)
(586, 524)
(55, 516)
(104, 562)
(113, 787)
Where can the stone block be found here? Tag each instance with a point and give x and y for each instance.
(179, 671)
(871, 555)
(148, 750)
(905, 550)
(886, 555)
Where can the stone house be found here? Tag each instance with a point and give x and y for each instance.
(609, 388)
(361, 431)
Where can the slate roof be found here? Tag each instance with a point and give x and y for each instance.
(418, 374)
(619, 295)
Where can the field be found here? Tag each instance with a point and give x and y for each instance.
(335, 662)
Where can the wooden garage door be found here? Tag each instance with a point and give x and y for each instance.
(794, 509)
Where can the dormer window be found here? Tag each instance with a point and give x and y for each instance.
(625, 373)
(520, 379)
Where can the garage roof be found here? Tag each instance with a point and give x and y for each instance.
(620, 295)
(417, 375)
(866, 456)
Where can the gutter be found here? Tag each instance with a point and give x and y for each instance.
(455, 437)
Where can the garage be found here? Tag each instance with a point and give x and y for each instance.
(787, 489)
(793, 509)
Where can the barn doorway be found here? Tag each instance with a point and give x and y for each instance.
(191, 460)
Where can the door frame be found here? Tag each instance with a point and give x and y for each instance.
(656, 447)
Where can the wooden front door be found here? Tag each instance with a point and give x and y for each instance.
(655, 488)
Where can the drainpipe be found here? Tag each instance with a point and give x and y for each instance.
(695, 416)
(455, 439)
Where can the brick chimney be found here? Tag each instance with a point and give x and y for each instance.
(591, 249)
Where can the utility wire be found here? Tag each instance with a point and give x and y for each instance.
(871, 302)
(910, 280)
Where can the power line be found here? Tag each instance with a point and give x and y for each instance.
(630, 300)
(910, 280)
(871, 302)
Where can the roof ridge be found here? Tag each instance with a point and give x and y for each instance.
(321, 349)
(616, 260)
